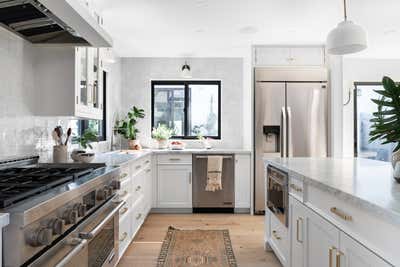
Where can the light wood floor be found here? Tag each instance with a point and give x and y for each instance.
(247, 235)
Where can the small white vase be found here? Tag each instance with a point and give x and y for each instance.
(162, 144)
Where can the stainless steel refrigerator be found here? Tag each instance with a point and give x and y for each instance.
(290, 118)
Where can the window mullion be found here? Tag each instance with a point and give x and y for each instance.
(186, 130)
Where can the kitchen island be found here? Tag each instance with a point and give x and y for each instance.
(344, 211)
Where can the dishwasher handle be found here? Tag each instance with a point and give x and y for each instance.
(206, 157)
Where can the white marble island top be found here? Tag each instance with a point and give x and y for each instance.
(368, 183)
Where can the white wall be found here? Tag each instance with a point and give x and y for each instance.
(362, 70)
(21, 132)
(137, 74)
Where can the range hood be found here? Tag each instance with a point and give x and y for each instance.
(65, 22)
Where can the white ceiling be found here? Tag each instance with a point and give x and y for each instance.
(228, 28)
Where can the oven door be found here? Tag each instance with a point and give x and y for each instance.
(277, 199)
(94, 243)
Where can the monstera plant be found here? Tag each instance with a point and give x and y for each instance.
(386, 120)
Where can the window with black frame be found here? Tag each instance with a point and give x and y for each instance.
(363, 109)
(190, 108)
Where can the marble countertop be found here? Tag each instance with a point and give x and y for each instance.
(203, 151)
(369, 183)
(121, 156)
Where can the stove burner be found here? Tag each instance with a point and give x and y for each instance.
(17, 184)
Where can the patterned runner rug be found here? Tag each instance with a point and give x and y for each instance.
(203, 248)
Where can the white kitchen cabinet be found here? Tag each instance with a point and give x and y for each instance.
(242, 181)
(315, 242)
(289, 56)
(353, 254)
(68, 82)
(174, 183)
(296, 220)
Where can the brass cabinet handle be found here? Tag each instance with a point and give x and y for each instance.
(190, 177)
(298, 229)
(138, 217)
(123, 193)
(331, 249)
(124, 236)
(148, 170)
(138, 188)
(296, 188)
(274, 233)
(147, 161)
(123, 211)
(338, 256)
(175, 159)
(123, 175)
(341, 214)
(138, 167)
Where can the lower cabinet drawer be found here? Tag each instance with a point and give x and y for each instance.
(138, 215)
(370, 230)
(126, 208)
(279, 239)
(125, 233)
(175, 158)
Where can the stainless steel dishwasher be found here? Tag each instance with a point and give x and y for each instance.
(219, 201)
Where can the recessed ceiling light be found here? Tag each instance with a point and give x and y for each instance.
(200, 30)
(248, 30)
(201, 3)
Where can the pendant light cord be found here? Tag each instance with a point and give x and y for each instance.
(345, 10)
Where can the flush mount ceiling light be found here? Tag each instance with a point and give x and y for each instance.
(186, 72)
(346, 38)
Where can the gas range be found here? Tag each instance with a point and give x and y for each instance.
(46, 202)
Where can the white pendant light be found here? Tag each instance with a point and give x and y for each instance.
(186, 72)
(346, 38)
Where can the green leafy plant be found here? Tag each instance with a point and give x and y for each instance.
(386, 121)
(85, 140)
(162, 132)
(127, 126)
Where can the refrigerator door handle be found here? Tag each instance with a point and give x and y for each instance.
(289, 133)
(283, 133)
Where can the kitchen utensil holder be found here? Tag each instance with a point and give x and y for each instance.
(60, 154)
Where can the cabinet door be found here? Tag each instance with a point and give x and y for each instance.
(272, 56)
(175, 186)
(82, 75)
(297, 233)
(307, 56)
(321, 239)
(242, 181)
(353, 254)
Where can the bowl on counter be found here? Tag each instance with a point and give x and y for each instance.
(86, 157)
(177, 145)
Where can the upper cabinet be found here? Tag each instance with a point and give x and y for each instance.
(275, 56)
(68, 82)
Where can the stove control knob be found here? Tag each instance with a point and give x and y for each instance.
(101, 194)
(39, 237)
(108, 190)
(80, 209)
(56, 225)
(70, 216)
(116, 184)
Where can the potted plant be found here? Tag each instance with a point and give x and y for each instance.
(162, 133)
(386, 120)
(84, 141)
(127, 127)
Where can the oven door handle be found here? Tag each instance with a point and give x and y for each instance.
(67, 258)
(97, 229)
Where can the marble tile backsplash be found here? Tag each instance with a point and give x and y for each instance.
(21, 132)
